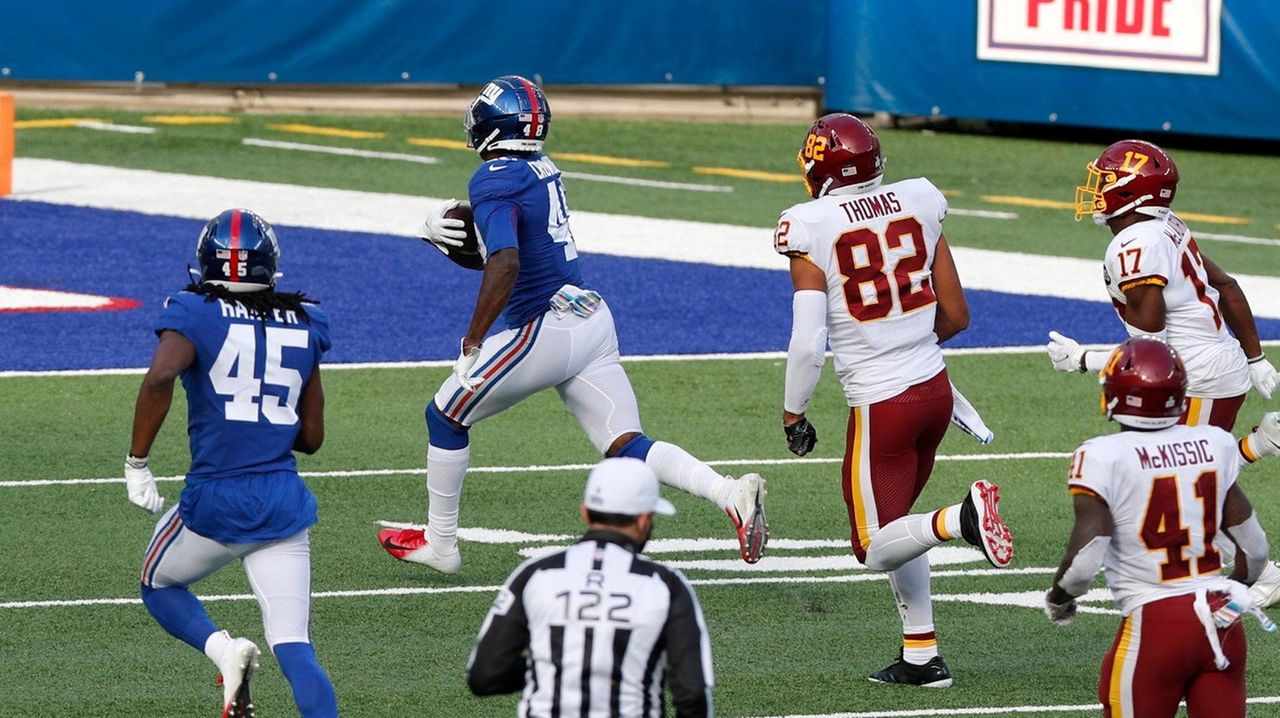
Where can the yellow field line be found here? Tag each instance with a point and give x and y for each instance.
(51, 122)
(1028, 201)
(329, 131)
(189, 120)
(951, 193)
(1061, 204)
(607, 160)
(748, 174)
(438, 142)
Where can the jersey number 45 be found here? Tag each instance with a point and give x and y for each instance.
(234, 373)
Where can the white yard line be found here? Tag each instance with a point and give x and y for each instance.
(435, 590)
(654, 184)
(982, 213)
(541, 468)
(986, 710)
(344, 151)
(112, 127)
(195, 197)
(1238, 239)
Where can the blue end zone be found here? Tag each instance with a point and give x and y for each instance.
(395, 299)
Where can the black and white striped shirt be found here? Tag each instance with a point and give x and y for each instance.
(595, 630)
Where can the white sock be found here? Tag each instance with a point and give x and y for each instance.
(910, 584)
(216, 644)
(445, 470)
(677, 467)
(902, 540)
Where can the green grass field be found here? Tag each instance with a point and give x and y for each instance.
(794, 642)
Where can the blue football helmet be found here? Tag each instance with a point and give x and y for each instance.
(511, 113)
(238, 250)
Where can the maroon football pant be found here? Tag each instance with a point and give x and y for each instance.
(889, 454)
(1214, 412)
(1161, 655)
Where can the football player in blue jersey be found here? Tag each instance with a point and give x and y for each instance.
(249, 359)
(559, 333)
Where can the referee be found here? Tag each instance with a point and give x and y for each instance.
(598, 629)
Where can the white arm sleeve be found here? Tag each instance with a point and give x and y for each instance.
(1084, 566)
(807, 351)
(1095, 361)
(1251, 540)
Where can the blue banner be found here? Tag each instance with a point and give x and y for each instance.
(921, 57)
(749, 42)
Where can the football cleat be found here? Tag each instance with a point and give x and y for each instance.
(411, 545)
(1266, 590)
(933, 674)
(746, 511)
(981, 526)
(239, 661)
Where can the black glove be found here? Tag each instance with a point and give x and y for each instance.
(801, 436)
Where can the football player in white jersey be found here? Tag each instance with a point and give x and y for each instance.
(873, 276)
(1149, 502)
(1163, 285)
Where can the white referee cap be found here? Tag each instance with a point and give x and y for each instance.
(625, 486)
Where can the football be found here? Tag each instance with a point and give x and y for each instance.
(468, 255)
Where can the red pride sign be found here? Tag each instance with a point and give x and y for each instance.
(1179, 36)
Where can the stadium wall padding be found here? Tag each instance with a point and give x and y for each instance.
(423, 41)
(912, 56)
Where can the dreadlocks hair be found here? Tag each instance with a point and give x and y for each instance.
(261, 303)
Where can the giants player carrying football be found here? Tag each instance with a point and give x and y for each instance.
(558, 334)
(1149, 503)
(1162, 285)
(873, 274)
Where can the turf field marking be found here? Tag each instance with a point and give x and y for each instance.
(983, 213)
(433, 590)
(656, 184)
(51, 123)
(1237, 239)
(438, 142)
(749, 174)
(542, 468)
(633, 358)
(328, 131)
(1062, 204)
(345, 151)
(986, 710)
(112, 127)
(190, 120)
(607, 160)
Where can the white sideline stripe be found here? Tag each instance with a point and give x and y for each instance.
(110, 127)
(541, 468)
(656, 184)
(195, 197)
(431, 590)
(633, 358)
(345, 151)
(984, 710)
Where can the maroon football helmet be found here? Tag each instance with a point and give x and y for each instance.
(1127, 175)
(840, 151)
(1144, 385)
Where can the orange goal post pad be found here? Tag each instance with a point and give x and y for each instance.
(6, 144)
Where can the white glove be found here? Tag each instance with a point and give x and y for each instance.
(462, 368)
(141, 485)
(1263, 376)
(1265, 437)
(439, 230)
(1062, 614)
(1065, 353)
